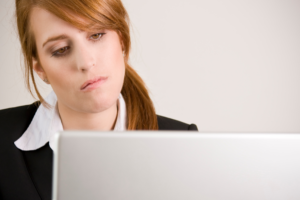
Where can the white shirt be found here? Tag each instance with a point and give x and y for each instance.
(47, 122)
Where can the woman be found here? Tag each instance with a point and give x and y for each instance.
(81, 48)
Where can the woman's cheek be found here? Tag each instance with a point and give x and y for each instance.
(60, 82)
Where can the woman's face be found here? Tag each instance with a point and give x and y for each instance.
(85, 69)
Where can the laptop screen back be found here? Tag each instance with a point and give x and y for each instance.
(176, 165)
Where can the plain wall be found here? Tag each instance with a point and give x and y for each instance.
(227, 66)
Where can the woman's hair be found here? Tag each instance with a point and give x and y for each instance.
(98, 14)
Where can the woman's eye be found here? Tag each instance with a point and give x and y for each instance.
(97, 36)
(60, 51)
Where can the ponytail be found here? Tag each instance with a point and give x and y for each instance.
(140, 110)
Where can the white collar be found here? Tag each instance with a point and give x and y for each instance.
(46, 122)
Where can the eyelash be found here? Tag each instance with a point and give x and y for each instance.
(56, 54)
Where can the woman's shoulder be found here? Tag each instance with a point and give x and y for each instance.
(18, 112)
(25, 108)
(165, 123)
(16, 120)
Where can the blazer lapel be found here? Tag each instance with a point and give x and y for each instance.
(18, 183)
(15, 179)
(39, 164)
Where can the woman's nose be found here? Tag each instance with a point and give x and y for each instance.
(85, 58)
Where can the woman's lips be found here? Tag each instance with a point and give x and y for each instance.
(92, 83)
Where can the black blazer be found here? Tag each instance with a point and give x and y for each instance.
(28, 174)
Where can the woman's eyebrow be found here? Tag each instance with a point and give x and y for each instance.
(58, 37)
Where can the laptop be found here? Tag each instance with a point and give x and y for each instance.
(148, 165)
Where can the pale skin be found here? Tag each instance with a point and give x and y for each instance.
(85, 55)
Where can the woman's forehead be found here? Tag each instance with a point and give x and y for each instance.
(45, 24)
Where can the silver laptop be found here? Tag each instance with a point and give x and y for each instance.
(145, 165)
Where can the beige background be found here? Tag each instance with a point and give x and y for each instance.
(228, 66)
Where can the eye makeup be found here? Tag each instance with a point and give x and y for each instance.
(63, 51)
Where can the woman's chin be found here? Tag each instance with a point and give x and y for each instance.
(99, 106)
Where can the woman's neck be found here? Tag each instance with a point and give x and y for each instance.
(73, 120)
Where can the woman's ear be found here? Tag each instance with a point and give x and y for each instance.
(39, 70)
